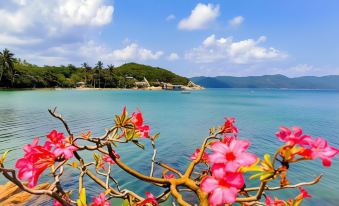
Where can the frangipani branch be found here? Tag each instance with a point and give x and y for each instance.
(220, 181)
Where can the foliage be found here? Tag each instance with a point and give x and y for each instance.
(223, 160)
(15, 73)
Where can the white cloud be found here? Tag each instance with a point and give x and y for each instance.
(230, 51)
(170, 17)
(54, 15)
(236, 21)
(132, 52)
(173, 56)
(13, 40)
(201, 17)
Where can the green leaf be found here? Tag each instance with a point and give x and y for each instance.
(266, 175)
(3, 157)
(82, 198)
(156, 136)
(138, 144)
(125, 203)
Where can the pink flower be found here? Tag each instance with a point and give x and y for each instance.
(195, 155)
(319, 148)
(55, 137)
(304, 193)
(229, 126)
(293, 137)
(150, 199)
(275, 202)
(233, 154)
(35, 161)
(61, 146)
(109, 160)
(138, 122)
(222, 189)
(169, 176)
(100, 201)
(57, 203)
(65, 149)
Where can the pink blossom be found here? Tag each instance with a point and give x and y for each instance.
(304, 193)
(55, 137)
(195, 155)
(109, 160)
(169, 176)
(138, 122)
(65, 149)
(60, 144)
(35, 161)
(229, 127)
(150, 199)
(233, 154)
(274, 202)
(57, 203)
(222, 189)
(293, 137)
(319, 148)
(100, 201)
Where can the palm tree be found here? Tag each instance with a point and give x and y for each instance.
(86, 67)
(99, 67)
(7, 63)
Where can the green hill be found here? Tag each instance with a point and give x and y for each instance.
(152, 74)
(269, 81)
(27, 75)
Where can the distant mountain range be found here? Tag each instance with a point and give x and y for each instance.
(269, 81)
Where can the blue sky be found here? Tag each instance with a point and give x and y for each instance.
(192, 38)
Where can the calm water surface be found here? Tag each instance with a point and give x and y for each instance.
(183, 121)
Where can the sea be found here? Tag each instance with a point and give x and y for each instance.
(183, 120)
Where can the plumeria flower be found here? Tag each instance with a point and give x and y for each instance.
(232, 155)
(100, 201)
(229, 127)
(293, 137)
(150, 199)
(222, 186)
(55, 137)
(35, 161)
(56, 203)
(195, 155)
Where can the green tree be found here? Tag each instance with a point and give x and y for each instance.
(86, 69)
(99, 66)
(7, 64)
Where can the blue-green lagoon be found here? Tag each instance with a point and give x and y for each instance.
(183, 121)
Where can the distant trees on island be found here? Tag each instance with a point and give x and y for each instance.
(17, 73)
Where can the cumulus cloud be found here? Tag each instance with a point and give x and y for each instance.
(170, 17)
(173, 56)
(131, 52)
(201, 17)
(235, 52)
(236, 21)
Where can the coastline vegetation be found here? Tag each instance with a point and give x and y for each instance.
(17, 73)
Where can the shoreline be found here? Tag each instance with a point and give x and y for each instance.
(95, 89)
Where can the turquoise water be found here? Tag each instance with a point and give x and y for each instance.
(183, 121)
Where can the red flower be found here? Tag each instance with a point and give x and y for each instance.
(195, 155)
(293, 137)
(61, 145)
(150, 199)
(55, 137)
(229, 126)
(319, 148)
(35, 161)
(233, 154)
(138, 122)
(222, 186)
(100, 201)
(275, 202)
(169, 176)
(109, 160)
